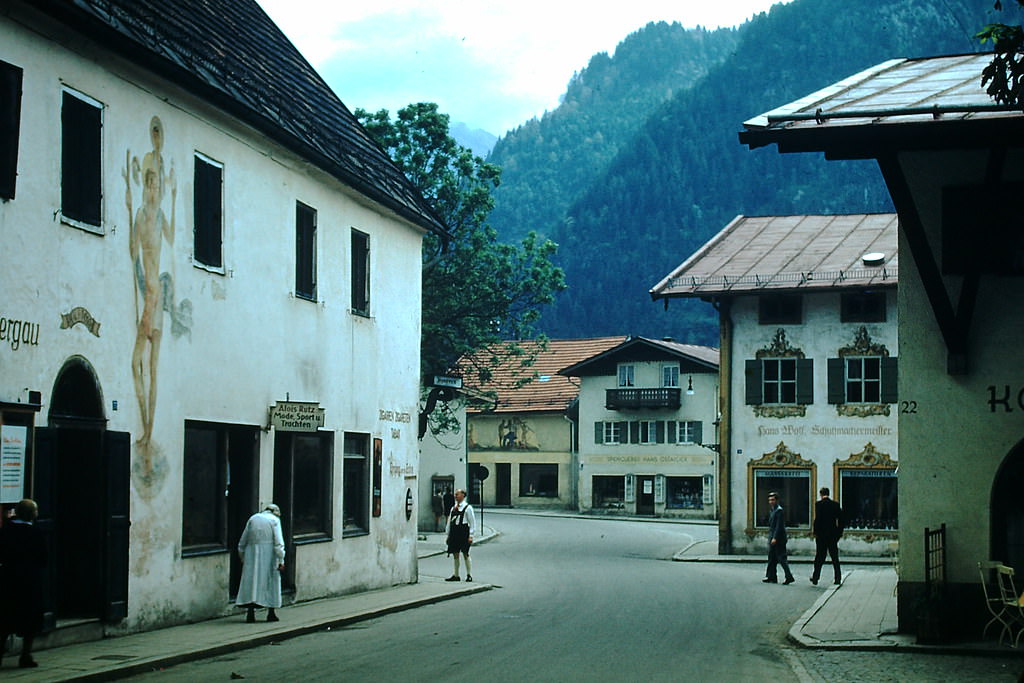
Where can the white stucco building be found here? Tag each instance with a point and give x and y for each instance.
(647, 421)
(211, 282)
(808, 321)
(953, 161)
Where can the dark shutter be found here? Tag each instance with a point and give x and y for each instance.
(207, 213)
(10, 125)
(360, 272)
(659, 431)
(44, 478)
(671, 432)
(804, 381)
(698, 432)
(117, 461)
(305, 251)
(890, 379)
(753, 375)
(836, 380)
(634, 432)
(623, 432)
(80, 160)
(599, 432)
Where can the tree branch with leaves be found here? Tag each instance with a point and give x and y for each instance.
(477, 292)
(1003, 78)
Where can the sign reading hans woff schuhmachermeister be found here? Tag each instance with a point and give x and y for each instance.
(296, 416)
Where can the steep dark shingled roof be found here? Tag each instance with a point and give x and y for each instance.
(230, 53)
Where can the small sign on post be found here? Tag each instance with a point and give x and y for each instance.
(297, 416)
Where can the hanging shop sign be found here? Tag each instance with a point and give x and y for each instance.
(296, 416)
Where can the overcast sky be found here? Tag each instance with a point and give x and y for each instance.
(491, 64)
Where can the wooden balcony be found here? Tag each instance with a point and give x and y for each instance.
(629, 399)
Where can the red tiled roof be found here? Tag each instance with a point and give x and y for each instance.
(549, 391)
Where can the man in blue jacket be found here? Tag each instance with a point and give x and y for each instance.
(777, 542)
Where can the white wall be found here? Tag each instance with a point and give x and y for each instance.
(250, 341)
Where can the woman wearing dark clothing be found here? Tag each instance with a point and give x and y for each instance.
(22, 558)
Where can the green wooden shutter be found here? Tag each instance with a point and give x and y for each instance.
(804, 381)
(698, 432)
(890, 377)
(10, 124)
(659, 431)
(753, 374)
(634, 432)
(599, 432)
(836, 380)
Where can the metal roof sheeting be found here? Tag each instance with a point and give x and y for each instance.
(904, 97)
(789, 253)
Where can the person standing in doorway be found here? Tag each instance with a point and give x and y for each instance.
(777, 542)
(437, 506)
(449, 502)
(461, 528)
(261, 549)
(827, 528)
(23, 557)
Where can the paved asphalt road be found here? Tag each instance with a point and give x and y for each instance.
(583, 600)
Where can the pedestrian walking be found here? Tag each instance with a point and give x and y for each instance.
(261, 548)
(827, 530)
(461, 528)
(777, 542)
(22, 559)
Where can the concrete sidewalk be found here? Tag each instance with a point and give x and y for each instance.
(138, 653)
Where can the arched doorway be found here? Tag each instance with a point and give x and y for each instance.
(1007, 511)
(80, 478)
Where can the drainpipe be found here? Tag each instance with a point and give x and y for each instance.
(725, 365)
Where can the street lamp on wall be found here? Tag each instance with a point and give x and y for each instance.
(689, 386)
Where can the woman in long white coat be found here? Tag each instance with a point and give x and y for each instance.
(261, 549)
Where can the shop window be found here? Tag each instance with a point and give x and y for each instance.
(312, 474)
(869, 498)
(627, 375)
(862, 307)
(305, 252)
(208, 202)
(360, 273)
(80, 169)
(539, 480)
(609, 493)
(10, 127)
(794, 489)
(780, 309)
(356, 484)
(684, 493)
(217, 471)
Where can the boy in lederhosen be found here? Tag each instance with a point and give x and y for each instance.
(461, 528)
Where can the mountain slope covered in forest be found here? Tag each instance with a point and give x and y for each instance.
(682, 175)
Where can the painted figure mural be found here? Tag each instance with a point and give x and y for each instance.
(148, 228)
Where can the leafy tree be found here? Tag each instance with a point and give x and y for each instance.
(477, 291)
(1004, 75)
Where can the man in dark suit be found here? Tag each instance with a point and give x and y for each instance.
(828, 527)
(777, 542)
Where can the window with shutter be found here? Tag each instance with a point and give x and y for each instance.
(10, 125)
(360, 273)
(207, 212)
(305, 252)
(80, 170)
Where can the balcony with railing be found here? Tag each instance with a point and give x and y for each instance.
(632, 398)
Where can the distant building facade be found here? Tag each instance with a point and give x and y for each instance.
(522, 435)
(809, 355)
(647, 421)
(211, 287)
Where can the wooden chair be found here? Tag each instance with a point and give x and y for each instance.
(1002, 601)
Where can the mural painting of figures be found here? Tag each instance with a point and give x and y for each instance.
(148, 228)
